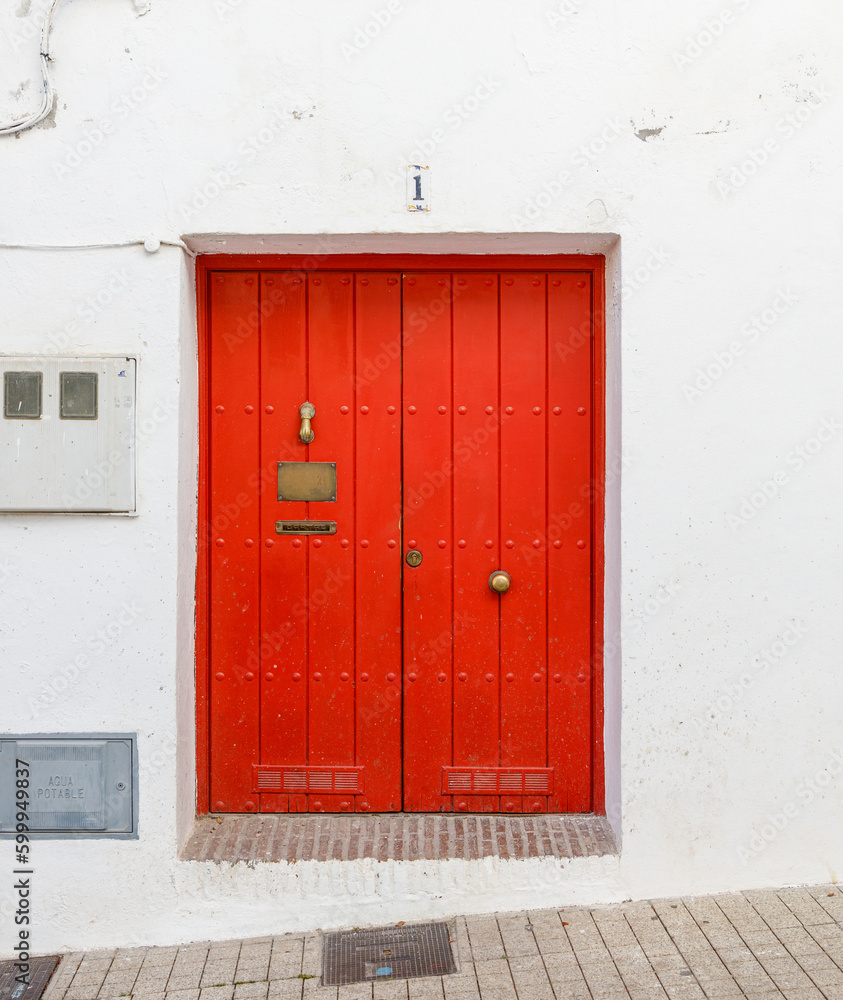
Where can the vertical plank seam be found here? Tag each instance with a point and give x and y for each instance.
(451, 526)
(500, 529)
(546, 422)
(203, 524)
(307, 677)
(403, 508)
(354, 517)
(261, 548)
(592, 576)
(210, 577)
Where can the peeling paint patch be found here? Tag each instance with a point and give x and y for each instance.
(142, 7)
(25, 8)
(649, 133)
(596, 212)
(800, 94)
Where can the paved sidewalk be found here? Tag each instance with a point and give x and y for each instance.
(785, 944)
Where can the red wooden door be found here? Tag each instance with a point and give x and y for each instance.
(305, 642)
(314, 705)
(497, 440)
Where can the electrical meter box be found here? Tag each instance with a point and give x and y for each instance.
(67, 434)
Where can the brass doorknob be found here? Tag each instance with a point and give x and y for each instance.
(500, 581)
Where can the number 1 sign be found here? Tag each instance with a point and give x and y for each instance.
(418, 188)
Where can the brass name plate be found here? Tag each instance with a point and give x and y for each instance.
(307, 481)
(306, 527)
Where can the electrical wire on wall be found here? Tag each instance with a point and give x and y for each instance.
(47, 83)
(151, 244)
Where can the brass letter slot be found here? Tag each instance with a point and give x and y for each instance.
(305, 527)
(307, 481)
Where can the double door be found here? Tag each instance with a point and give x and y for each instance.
(400, 573)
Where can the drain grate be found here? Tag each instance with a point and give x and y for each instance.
(387, 953)
(40, 971)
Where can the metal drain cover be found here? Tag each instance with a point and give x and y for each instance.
(387, 953)
(40, 971)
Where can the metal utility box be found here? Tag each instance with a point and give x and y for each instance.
(67, 434)
(69, 785)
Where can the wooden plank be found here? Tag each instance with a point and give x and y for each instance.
(523, 516)
(569, 538)
(203, 525)
(428, 526)
(600, 476)
(378, 513)
(284, 707)
(439, 263)
(234, 561)
(476, 637)
(331, 592)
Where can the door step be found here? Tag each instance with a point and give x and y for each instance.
(397, 837)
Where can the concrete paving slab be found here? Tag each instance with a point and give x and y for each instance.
(217, 992)
(285, 989)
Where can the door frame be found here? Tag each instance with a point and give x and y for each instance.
(593, 263)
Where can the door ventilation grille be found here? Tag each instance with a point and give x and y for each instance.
(498, 780)
(292, 778)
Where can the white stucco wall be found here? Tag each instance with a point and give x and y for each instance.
(696, 144)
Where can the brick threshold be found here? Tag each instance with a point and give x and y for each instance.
(396, 837)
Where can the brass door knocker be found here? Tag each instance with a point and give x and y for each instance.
(307, 411)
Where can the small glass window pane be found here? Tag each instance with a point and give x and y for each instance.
(22, 395)
(78, 395)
